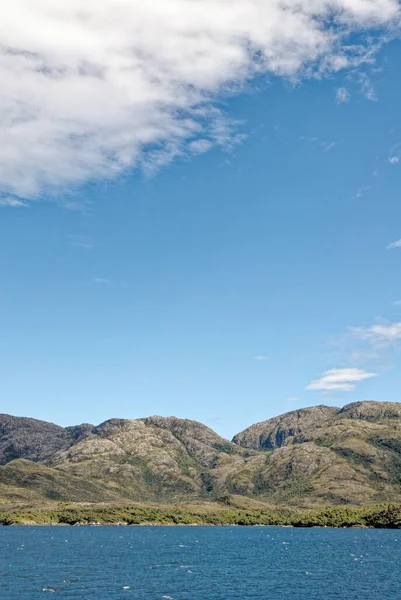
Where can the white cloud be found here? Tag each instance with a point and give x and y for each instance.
(397, 303)
(293, 398)
(101, 280)
(343, 380)
(379, 335)
(396, 244)
(260, 357)
(342, 95)
(91, 89)
(393, 160)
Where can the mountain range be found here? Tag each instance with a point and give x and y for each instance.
(309, 457)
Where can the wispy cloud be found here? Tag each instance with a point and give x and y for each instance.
(366, 87)
(379, 335)
(342, 380)
(101, 280)
(342, 95)
(200, 146)
(374, 344)
(364, 356)
(396, 244)
(92, 89)
(327, 146)
(81, 241)
(395, 154)
(9, 201)
(293, 398)
(83, 206)
(362, 191)
(260, 357)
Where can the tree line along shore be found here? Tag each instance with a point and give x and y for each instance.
(380, 516)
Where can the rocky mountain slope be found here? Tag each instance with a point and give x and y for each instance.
(312, 456)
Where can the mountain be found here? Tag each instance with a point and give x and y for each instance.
(153, 458)
(308, 457)
(348, 455)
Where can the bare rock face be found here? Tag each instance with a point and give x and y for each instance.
(35, 440)
(276, 432)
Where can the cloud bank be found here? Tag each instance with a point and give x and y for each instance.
(92, 89)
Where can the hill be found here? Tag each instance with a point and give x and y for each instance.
(309, 457)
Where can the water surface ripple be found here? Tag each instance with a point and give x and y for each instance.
(199, 563)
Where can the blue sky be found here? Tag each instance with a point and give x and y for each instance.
(226, 285)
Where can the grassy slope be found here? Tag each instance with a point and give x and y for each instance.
(25, 481)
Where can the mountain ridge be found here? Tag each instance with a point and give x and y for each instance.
(307, 457)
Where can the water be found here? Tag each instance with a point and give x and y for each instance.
(199, 563)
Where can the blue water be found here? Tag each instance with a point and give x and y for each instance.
(199, 563)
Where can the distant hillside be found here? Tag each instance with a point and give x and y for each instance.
(308, 457)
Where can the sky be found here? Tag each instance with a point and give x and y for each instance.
(199, 208)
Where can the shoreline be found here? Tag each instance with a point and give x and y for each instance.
(193, 525)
